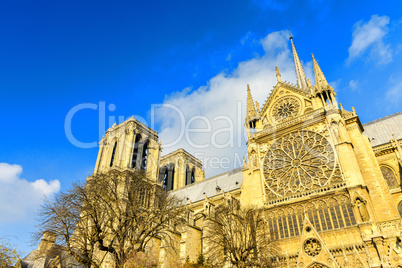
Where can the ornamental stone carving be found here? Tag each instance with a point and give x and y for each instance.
(318, 265)
(389, 176)
(312, 247)
(299, 161)
(285, 107)
(363, 212)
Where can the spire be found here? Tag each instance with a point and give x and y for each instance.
(251, 112)
(278, 75)
(320, 80)
(321, 86)
(301, 77)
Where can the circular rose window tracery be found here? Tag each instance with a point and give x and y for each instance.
(299, 161)
(285, 108)
(389, 176)
(312, 247)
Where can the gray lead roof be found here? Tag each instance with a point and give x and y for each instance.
(225, 182)
(383, 128)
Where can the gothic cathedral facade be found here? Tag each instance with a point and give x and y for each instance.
(331, 192)
(330, 188)
(330, 185)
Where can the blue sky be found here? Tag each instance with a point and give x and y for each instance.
(197, 55)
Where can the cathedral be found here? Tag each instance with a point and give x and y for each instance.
(329, 184)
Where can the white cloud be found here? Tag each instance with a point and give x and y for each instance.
(309, 70)
(245, 38)
(335, 84)
(353, 84)
(20, 198)
(221, 104)
(394, 94)
(368, 37)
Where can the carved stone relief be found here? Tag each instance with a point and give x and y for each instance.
(312, 247)
(389, 176)
(286, 107)
(361, 206)
(299, 161)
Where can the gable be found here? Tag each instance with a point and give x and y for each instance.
(285, 101)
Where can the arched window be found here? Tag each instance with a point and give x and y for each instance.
(144, 156)
(171, 178)
(347, 210)
(113, 154)
(135, 151)
(163, 176)
(389, 176)
(335, 213)
(166, 176)
(188, 175)
(400, 208)
(192, 176)
(323, 212)
(313, 217)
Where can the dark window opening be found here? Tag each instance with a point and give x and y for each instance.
(113, 154)
(166, 176)
(144, 156)
(190, 178)
(135, 151)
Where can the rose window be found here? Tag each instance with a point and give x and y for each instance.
(312, 247)
(298, 161)
(389, 176)
(286, 107)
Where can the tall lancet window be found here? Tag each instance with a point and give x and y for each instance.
(163, 176)
(389, 176)
(113, 154)
(190, 178)
(170, 177)
(135, 151)
(145, 153)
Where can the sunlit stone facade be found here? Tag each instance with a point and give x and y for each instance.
(331, 190)
(330, 185)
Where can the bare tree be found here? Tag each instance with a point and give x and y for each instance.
(239, 236)
(61, 219)
(118, 212)
(9, 254)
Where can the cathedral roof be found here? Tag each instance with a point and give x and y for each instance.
(380, 131)
(225, 182)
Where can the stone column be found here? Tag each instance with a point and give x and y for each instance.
(129, 148)
(188, 176)
(382, 202)
(170, 179)
(122, 148)
(177, 174)
(345, 151)
(190, 243)
(153, 159)
(140, 150)
(100, 155)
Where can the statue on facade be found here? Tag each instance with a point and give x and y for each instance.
(361, 206)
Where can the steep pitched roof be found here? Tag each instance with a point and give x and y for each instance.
(250, 104)
(227, 182)
(301, 77)
(383, 128)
